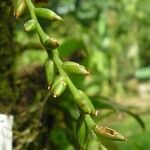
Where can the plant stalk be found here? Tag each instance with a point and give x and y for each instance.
(43, 37)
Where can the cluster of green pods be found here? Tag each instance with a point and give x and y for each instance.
(31, 25)
(58, 83)
(40, 12)
(82, 132)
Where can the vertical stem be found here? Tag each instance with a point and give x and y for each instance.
(43, 36)
(58, 63)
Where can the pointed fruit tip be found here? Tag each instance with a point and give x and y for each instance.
(59, 18)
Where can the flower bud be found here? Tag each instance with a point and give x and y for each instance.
(47, 14)
(81, 131)
(50, 44)
(20, 7)
(102, 147)
(88, 102)
(93, 144)
(108, 133)
(30, 25)
(49, 71)
(73, 67)
(84, 104)
(59, 86)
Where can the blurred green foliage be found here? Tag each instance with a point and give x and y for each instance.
(110, 37)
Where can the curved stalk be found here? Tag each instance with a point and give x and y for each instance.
(55, 56)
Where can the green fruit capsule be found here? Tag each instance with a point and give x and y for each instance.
(47, 14)
(89, 103)
(73, 67)
(20, 7)
(93, 145)
(102, 147)
(81, 131)
(83, 104)
(108, 133)
(30, 25)
(49, 71)
(59, 86)
(50, 44)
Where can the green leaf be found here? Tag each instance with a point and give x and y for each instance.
(29, 57)
(143, 73)
(105, 103)
(70, 46)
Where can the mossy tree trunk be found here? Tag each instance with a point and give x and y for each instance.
(7, 55)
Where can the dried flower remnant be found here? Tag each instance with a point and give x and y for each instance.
(109, 133)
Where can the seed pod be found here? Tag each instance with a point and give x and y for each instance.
(20, 7)
(102, 147)
(30, 25)
(108, 133)
(83, 103)
(47, 14)
(81, 131)
(50, 44)
(93, 145)
(59, 86)
(73, 67)
(49, 71)
(86, 103)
